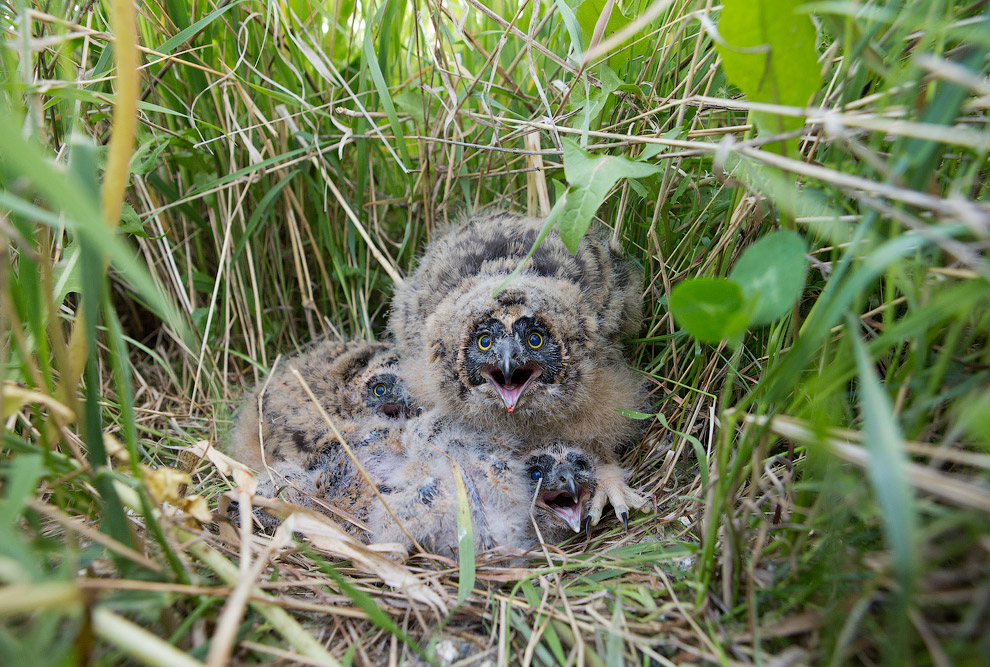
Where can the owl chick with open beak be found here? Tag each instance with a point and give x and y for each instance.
(527, 343)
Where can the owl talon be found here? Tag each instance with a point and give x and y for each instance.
(587, 528)
(612, 488)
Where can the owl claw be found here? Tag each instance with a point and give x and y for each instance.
(612, 488)
(587, 528)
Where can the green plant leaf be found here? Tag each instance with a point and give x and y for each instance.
(771, 274)
(411, 104)
(371, 62)
(699, 449)
(887, 470)
(593, 101)
(365, 603)
(614, 644)
(568, 18)
(590, 178)
(710, 309)
(632, 414)
(769, 53)
(465, 538)
(147, 156)
(652, 150)
(130, 223)
(972, 414)
(587, 15)
(185, 35)
(22, 481)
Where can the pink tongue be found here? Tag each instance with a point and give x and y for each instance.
(509, 393)
(572, 515)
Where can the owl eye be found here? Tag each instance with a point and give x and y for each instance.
(582, 465)
(379, 390)
(535, 340)
(484, 342)
(535, 474)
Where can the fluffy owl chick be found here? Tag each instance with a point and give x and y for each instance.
(356, 383)
(541, 359)
(503, 482)
(563, 481)
(413, 471)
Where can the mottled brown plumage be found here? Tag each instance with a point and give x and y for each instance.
(355, 383)
(542, 359)
(346, 379)
(416, 477)
(406, 461)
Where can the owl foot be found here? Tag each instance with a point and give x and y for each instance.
(613, 488)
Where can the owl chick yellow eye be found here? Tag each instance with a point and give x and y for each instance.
(484, 342)
(379, 390)
(535, 340)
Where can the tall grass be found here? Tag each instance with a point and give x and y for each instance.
(821, 487)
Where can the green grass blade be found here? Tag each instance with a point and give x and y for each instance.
(465, 538)
(887, 471)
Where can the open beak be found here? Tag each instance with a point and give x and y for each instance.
(396, 409)
(513, 374)
(567, 498)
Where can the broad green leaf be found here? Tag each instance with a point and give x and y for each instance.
(22, 481)
(66, 273)
(411, 104)
(587, 15)
(887, 470)
(769, 53)
(710, 309)
(146, 157)
(130, 223)
(652, 150)
(771, 274)
(590, 178)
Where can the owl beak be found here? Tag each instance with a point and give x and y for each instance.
(510, 354)
(567, 499)
(400, 408)
(513, 373)
(395, 410)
